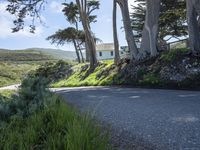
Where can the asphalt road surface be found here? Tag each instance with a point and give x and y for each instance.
(143, 118)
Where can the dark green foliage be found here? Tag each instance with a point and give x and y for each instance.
(54, 71)
(68, 35)
(193, 82)
(72, 15)
(172, 20)
(32, 97)
(173, 54)
(35, 118)
(150, 79)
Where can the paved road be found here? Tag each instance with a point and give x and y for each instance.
(158, 119)
(10, 87)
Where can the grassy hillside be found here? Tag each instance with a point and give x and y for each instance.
(12, 73)
(176, 69)
(36, 54)
(15, 64)
(57, 53)
(82, 77)
(23, 55)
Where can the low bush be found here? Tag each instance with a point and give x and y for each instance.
(150, 79)
(172, 54)
(31, 97)
(54, 71)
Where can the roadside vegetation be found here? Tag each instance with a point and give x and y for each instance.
(12, 72)
(35, 118)
(82, 76)
(16, 64)
(175, 69)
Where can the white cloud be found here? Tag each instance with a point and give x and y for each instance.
(56, 7)
(6, 23)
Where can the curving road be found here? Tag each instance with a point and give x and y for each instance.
(143, 118)
(10, 87)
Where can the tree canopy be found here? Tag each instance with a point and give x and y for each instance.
(172, 20)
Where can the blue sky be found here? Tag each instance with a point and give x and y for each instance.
(54, 20)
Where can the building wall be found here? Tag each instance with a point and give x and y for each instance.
(105, 54)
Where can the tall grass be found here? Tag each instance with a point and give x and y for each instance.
(56, 127)
(38, 119)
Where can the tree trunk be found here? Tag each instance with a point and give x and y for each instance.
(128, 29)
(88, 34)
(87, 53)
(77, 52)
(115, 37)
(150, 31)
(81, 55)
(193, 12)
(78, 44)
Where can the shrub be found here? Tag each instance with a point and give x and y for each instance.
(55, 127)
(54, 71)
(39, 119)
(172, 54)
(32, 96)
(150, 79)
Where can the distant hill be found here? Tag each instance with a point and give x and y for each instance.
(57, 53)
(36, 54)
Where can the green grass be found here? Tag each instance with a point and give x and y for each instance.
(35, 118)
(12, 73)
(23, 55)
(100, 76)
(5, 95)
(56, 127)
(172, 54)
(150, 79)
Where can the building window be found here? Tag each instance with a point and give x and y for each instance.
(100, 54)
(111, 53)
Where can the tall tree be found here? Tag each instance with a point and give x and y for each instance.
(128, 29)
(115, 36)
(150, 31)
(69, 35)
(72, 15)
(90, 42)
(193, 14)
(70, 10)
(24, 8)
(172, 19)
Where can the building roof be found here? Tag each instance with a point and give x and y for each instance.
(105, 47)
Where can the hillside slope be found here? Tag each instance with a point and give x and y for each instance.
(57, 53)
(175, 69)
(36, 54)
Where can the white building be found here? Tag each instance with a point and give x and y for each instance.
(105, 51)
